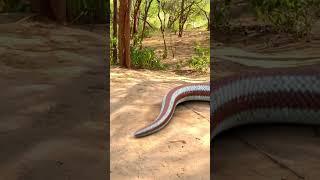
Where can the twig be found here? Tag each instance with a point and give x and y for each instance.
(197, 113)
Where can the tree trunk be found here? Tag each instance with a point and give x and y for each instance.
(171, 21)
(136, 14)
(124, 34)
(146, 11)
(165, 53)
(207, 15)
(181, 18)
(185, 12)
(115, 30)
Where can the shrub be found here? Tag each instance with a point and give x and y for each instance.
(145, 58)
(201, 60)
(113, 41)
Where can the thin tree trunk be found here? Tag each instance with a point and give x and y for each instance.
(184, 16)
(165, 53)
(115, 30)
(136, 15)
(207, 15)
(146, 11)
(171, 21)
(181, 18)
(124, 34)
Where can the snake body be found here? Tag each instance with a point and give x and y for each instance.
(188, 92)
(283, 95)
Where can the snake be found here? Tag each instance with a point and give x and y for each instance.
(277, 95)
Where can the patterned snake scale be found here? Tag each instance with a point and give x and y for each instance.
(281, 95)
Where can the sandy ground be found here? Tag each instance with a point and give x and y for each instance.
(53, 101)
(179, 151)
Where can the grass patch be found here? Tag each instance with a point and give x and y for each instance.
(201, 60)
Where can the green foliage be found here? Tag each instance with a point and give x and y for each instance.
(145, 58)
(113, 41)
(201, 60)
(291, 16)
(199, 14)
(196, 21)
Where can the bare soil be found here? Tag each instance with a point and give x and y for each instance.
(179, 151)
(53, 101)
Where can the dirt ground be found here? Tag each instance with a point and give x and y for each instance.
(53, 101)
(179, 151)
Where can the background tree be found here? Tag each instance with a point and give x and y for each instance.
(136, 15)
(205, 10)
(162, 29)
(185, 9)
(171, 7)
(124, 33)
(146, 12)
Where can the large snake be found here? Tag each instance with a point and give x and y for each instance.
(283, 95)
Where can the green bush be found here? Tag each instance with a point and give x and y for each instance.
(291, 16)
(113, 41)
(201, 60)
(145, 58)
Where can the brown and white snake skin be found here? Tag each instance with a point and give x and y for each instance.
(284, 95)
